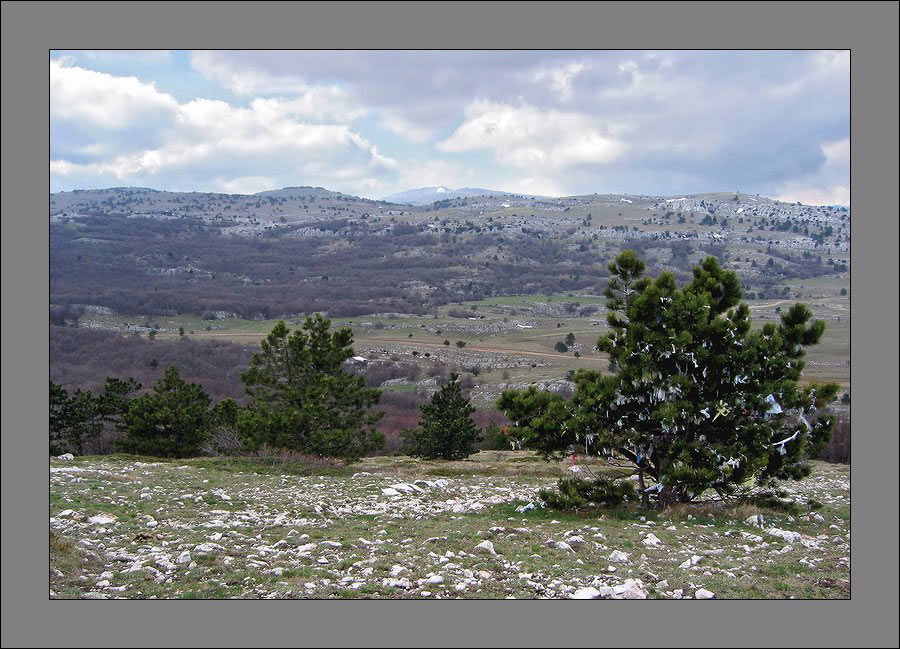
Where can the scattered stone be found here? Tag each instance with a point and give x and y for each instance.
(95, 595)
(651, 540)
(586, 593)
(618, 556)
(486, 547)
(702, 593)
(690, 563)
(790, 537)
(102, 519)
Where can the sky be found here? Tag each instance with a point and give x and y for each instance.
(371, 123)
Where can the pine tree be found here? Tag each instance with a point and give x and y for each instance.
(446, 430)
(697, 401)
(172, 420)
(78, 419)
(304, 400)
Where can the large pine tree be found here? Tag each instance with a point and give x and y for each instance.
(304, 400)
(698, 400)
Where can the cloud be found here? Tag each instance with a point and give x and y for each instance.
(394, 122)
(532, 139)
(432, 173)
(560, 78)
(118, 130)
(829, 184)
(104, 101)
(573, 122)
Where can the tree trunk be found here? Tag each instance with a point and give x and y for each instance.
(645, 498)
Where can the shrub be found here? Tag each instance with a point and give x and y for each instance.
(580, 493)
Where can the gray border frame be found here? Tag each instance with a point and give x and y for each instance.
(30, 29)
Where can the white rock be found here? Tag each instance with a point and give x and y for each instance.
(389, 491)
(790, 537)
(562, 545)
(586, 593)
(633, 590)
(693, 561)
(485, 547)
(651, 540)
(702, 593)
(102, 519)
(618, 556)
(184, 557)
(65, 457)
(208, 548)
(756, 520)
(435, 579)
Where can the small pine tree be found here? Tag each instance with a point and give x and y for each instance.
(172, 420)
(446, 430)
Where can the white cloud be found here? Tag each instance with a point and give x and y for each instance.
(103, 100)
(828, 186)
(210, 143)
(555, 122)
(531, 139)
(393, 121)
(142, 57)
(244, 78)
(560, 78)
(432, 173)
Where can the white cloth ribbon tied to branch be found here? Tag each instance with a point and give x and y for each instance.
(781, 444)
(774, 408)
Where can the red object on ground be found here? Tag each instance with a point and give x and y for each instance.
(573, 458)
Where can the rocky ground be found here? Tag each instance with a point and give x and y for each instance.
(127, 527)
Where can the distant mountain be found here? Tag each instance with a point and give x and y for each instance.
(429, 195)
